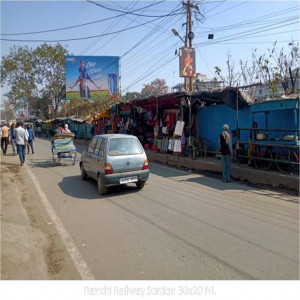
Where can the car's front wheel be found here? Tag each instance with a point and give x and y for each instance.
(102, 189)
(140, 184)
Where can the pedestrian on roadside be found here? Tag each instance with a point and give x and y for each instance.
(21, 140)
(226, 151)
(30, 139)
(66, 129)
(4, 138)
(39, 130)
(12, 135)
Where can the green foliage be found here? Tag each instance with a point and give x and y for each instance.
(34, 76)
(154, 88)
(130, 95)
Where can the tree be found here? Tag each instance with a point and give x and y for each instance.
(51, 72)
(18, 70)
(272, 68)
(232, 78)
(130, 96)
(7, 113)
(156, 87)
(33, 75)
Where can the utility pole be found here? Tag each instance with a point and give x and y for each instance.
(189, 36)
(189, 32)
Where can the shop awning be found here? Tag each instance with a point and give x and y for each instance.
(105, 114)
(48, 121)
(162, 101)
(227, 96)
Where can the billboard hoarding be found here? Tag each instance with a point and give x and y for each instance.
(187, 62)
(92, 77)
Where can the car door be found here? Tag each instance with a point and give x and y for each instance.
(97, 158)
(86, 159)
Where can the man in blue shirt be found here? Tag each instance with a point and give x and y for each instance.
(30, 139)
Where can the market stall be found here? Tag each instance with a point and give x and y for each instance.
(159, 122)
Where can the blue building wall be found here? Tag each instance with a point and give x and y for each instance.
(279, 119)
(81, 130)
(212, 118)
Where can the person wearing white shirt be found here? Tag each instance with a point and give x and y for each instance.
(21, 140)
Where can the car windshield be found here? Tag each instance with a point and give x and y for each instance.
(124, 146)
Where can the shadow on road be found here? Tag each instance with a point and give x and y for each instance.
(210, 180)
(41, 163)
(214, 180)
(75, 187)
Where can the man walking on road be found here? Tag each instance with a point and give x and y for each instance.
(21, 140)
(4, 139)
(30, 139)
(12, 135)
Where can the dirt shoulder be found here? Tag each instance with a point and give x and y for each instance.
(31, 247)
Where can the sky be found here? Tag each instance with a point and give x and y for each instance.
(139, 32)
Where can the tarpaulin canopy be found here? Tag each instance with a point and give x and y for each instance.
(162, 101)
(48, 121)
(227, 96)
(105, 114)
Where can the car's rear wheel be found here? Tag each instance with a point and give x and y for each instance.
(83, 173)
(140, 184)
(102, 189)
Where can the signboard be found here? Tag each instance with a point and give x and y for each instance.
(20, 114)
(92, 77)
(187, 62)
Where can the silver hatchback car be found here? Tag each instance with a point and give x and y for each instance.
(115, 159)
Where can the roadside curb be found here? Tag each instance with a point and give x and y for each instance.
(238, 172)
(211, 164)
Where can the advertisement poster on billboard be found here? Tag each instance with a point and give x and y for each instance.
(187, 62)
(92, 77)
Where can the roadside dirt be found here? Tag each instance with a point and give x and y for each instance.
(31, 247)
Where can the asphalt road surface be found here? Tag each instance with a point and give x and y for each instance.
(180, 226)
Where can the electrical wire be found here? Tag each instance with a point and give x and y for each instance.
(257, 20)
(245, 34)
(79, 25)
(147, 36)
(242, 3)
(114, 23)
(80, 38)
(256, 42)
(149, 73)
(131, 21)
(222, 2)
(131, 13)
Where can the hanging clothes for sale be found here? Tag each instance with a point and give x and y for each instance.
(177, 145)
(156, 131)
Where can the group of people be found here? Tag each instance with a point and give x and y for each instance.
(19, 137)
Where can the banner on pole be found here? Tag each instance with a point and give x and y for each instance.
(187, 62)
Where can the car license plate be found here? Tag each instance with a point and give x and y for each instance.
(129, 179)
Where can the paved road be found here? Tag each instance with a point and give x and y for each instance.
(180, 226)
